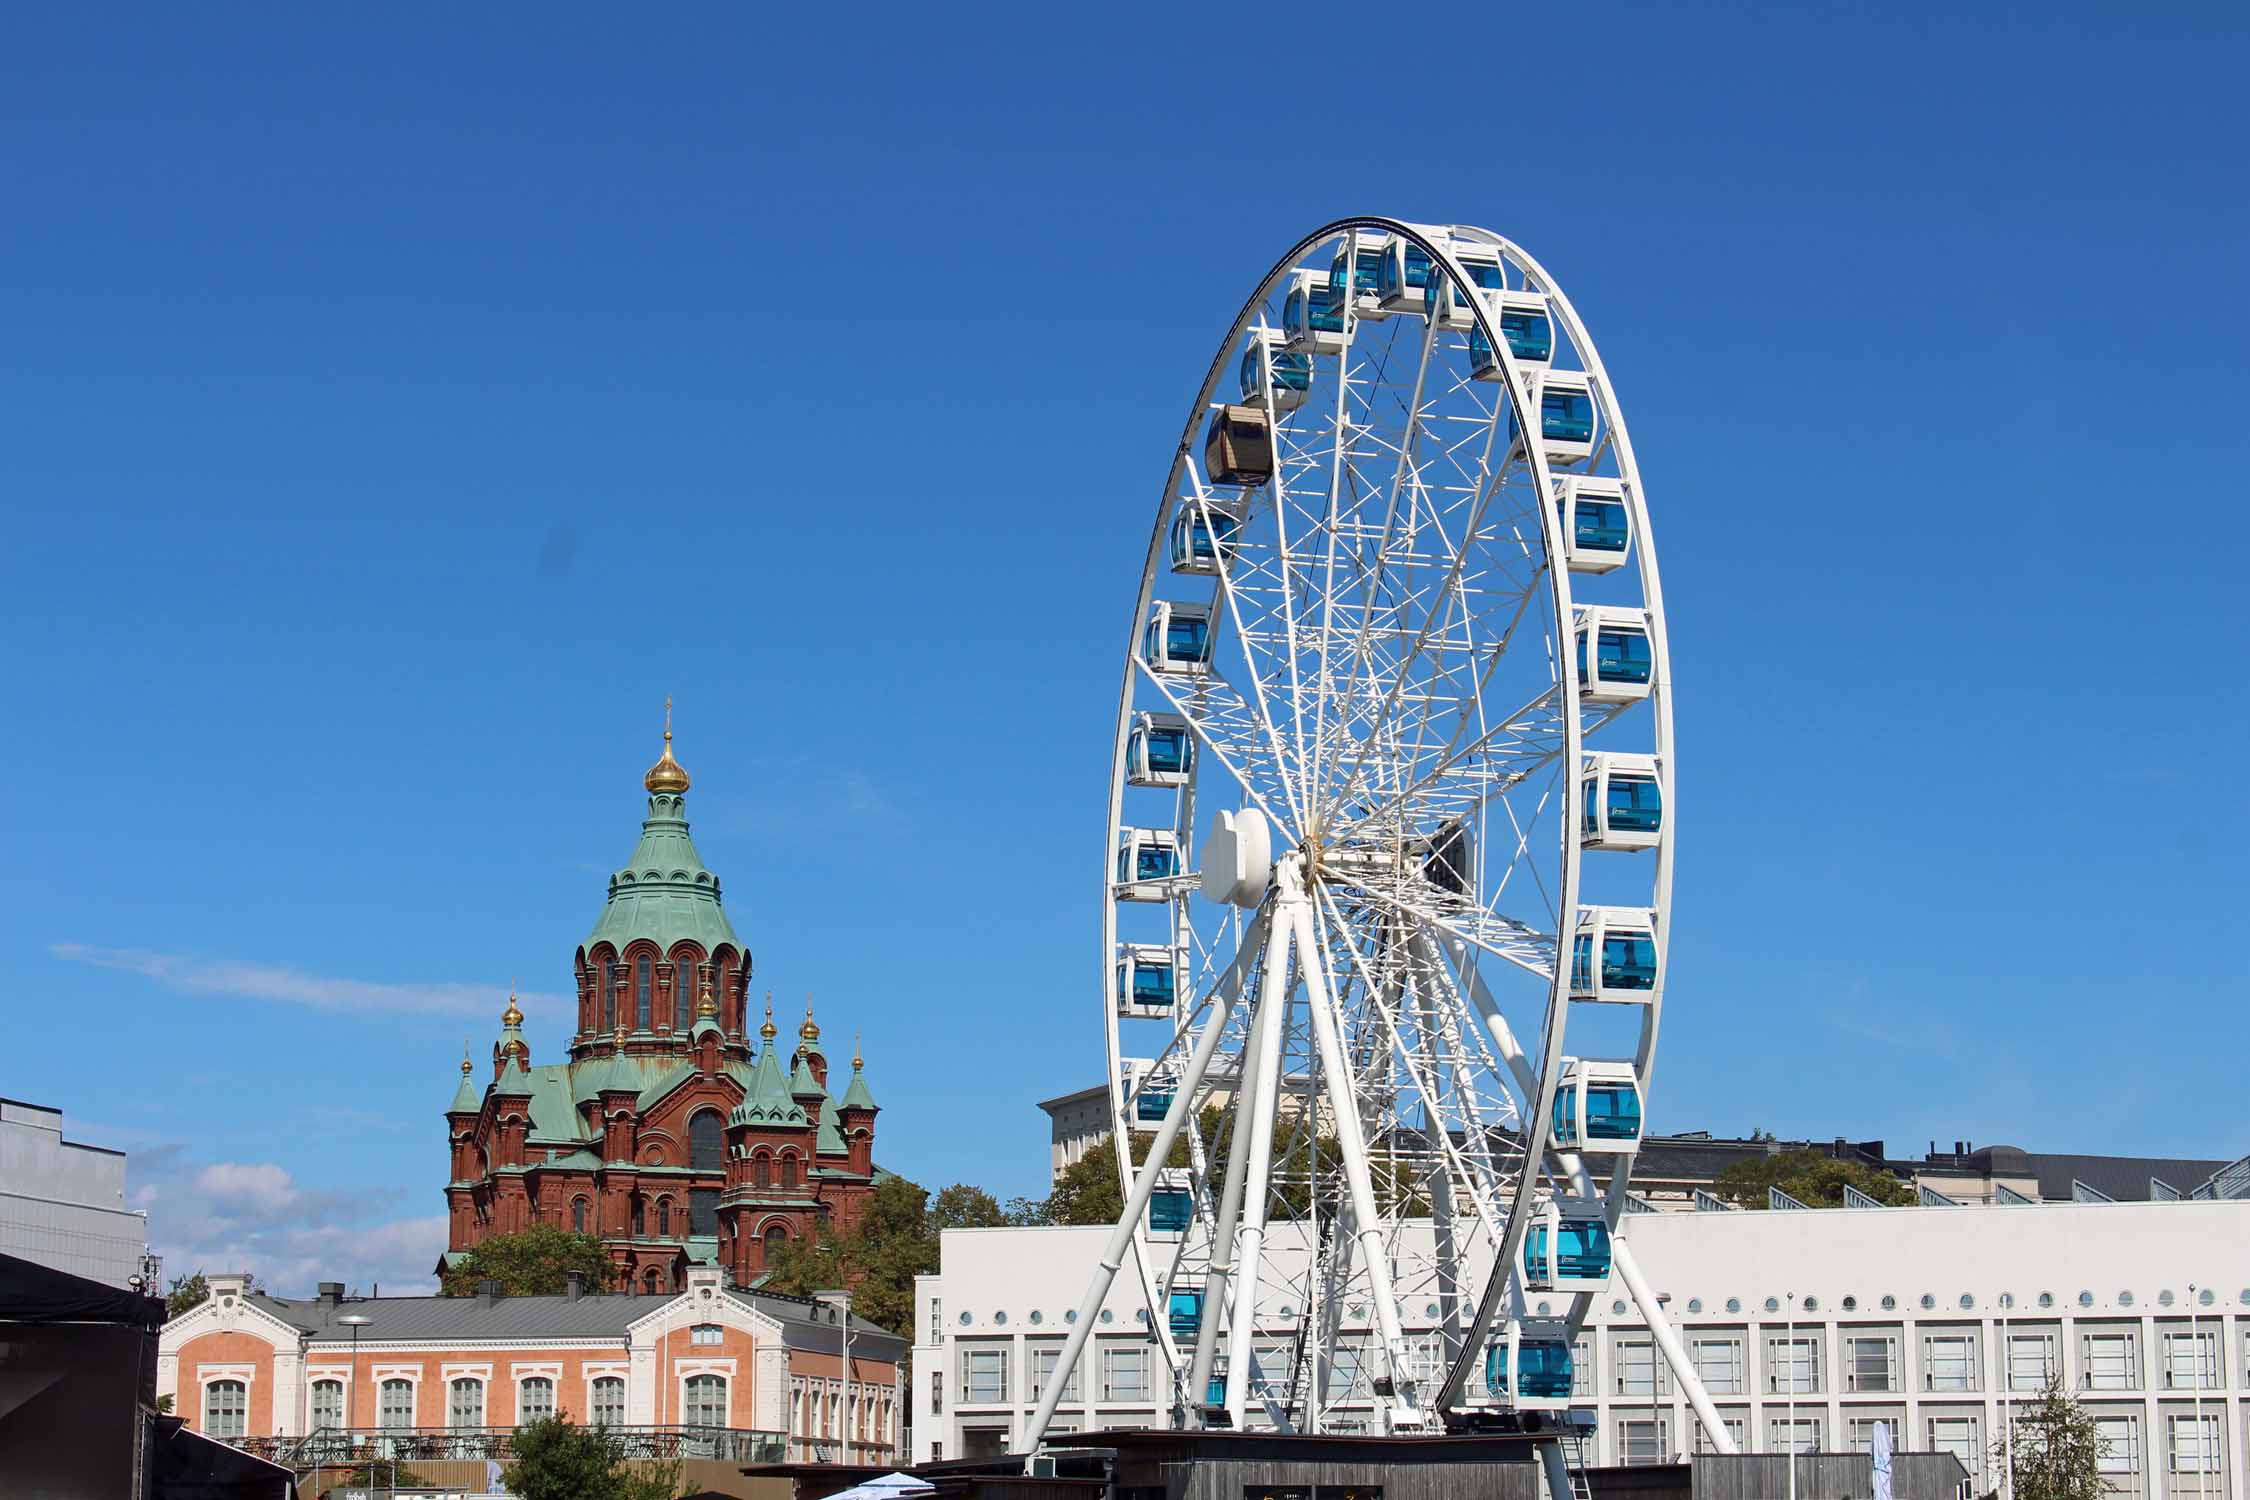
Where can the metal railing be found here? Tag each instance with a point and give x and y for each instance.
(351, 1445)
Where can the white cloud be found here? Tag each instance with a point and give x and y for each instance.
(284, 985)
(255, 1216)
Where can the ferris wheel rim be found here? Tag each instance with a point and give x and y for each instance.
(1436, 242)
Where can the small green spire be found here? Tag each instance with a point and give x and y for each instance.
(802, 1082)
(468, 1098)
(768, 1102)
(664, 893)
(856, 1096)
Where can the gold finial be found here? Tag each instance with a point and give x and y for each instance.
(621, 1036)
(769, 1031)
(667, 775)
(810, 1031)
(511, 1016)
(708, 1005)
(858, 1062)
(466, 1066)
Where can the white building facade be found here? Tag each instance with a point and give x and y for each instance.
(62, 1204)
(1807, 1328)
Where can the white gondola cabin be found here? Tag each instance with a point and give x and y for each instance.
(1525, 327)
(1596, 523)
(1597, 1108)
(1153, 1097)
(1356, 271)
(1271, 374)
(1159, 751)
(1178, 638)
(1621, 802)
(1566, 1248)
(1171, 1210)
(1568, 422)
(1447, 306)
(1614, 958)
(1616, 663)
(1402, 278)
(1528, 1366)
(1203, 537)
(1312, 316)
(1145, 981)
(1148, 862)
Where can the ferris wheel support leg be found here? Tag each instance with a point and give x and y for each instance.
(1352, 1142)
(1136, 1201)
(1557, 1469)
(1668, 1339)
(1273, 1004)
(1216, 1278)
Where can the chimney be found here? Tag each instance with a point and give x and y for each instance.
(574, 1285)
(332, 1292)
(1960, 1148)
(488, 1291)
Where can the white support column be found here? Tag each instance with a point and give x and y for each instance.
(1249, 1248)
(1120, 1241)
(1351, 1141)
(1668, 1339)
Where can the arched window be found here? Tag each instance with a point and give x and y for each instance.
(609, 995)
(578, 1215)
(707, 1147)
(327, 1404)
(761, 1170)
(226, 1409)
(609, 1401)
(464, 1403)
(640, 1214)
(535, 1400)
(776, 1237)
(649, 1282)
(663, 1216)
(706, 1404)
(642, 1020)
(684, 997)
(788, 1169)
(394, 1404)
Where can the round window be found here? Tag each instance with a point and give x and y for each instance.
(1071, 1316)
(1928, 1301)
(2007, 1299)
(2124, 1299)
(1734, 1304)
(2164, 1298)
(1617, 1308)
(1140, 1316)
(1037, 1316)
(1812, 1304)
(1851, 1304)
(1545, 1308)
(1889, 1302)
(1695, 1304)
(2046, 1299)
(2205, 1297)
(1967, 1301)
(966, 1320)
(1108, 1316)
(1773, 1304)
(1431, 1311)
(2085, 1299)
(999, 1318)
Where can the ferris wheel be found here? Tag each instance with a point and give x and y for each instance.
(1388, 854)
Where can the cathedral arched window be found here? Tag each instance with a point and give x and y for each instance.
(609, 995)
(578, 1215)
(643, 987)
(761, 1170)
(707, 1146)
(663, 1216)
(788, 1169)
(640, 1214)
(684, 997)
(776, 1237)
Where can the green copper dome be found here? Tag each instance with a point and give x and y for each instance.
(664, 893)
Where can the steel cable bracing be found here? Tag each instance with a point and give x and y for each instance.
(1423, 650)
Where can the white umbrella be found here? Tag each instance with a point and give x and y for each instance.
(1881, 1448)
(887, 1487)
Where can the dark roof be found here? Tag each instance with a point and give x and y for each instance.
(33, 1293)
(2124, 1178)
(804, 1325)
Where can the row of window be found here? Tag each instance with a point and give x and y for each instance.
(2108, 1359)
(1929, 1302)
(2194, 1442)
(851, 1415)
(226, 1402)
(685, 991)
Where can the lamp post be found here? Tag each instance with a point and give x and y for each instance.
(355, 1322)
(841, 1300)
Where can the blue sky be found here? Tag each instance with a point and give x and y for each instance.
(398, 405)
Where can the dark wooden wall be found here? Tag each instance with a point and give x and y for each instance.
(1825, 1476)
(1212, 1479)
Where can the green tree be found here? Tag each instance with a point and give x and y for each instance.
(1088, 1192)
(1811, 1177)
(533, 1263)
(192, 1291)
(894, 1241)
(2053, 1449)
(557, 1460)
(964, 1207)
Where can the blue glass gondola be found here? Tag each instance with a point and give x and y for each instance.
(1402, 278)
(1606, 1098)
(1576, 1250)
(1628, 962)
(1312, 316)
(1184, 1313)
(1542, 1369)
(1152, 1103)
(1199, 544)
(1178, 637)
(1170, 1210)
(1623, 663)
(1159, 751)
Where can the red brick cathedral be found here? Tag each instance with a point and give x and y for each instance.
(667, 1132)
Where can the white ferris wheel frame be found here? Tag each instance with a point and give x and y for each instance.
(1286, 918)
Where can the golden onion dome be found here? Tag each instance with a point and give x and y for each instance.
(512, 1016)
(810, 1031)
(709, 1004)
(769, 1031)
(667, 775)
